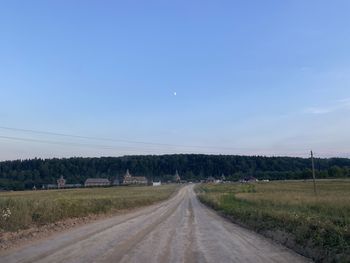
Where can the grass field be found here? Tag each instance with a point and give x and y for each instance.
(316, 226)
(20, 210)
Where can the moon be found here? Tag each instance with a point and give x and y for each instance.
(175, 93)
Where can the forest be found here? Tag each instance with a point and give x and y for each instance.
(24, 174)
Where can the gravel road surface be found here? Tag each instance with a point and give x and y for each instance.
(178, 230)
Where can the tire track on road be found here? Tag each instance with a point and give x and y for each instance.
(126, 246)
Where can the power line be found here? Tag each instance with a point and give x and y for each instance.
(114, 140)
(156, 147)
(53, 142)
(132, 149)
(105, 147)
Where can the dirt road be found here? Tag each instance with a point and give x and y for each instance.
(178, 230)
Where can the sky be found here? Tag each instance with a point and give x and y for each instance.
(112, 78)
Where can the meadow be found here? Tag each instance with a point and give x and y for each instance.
(23, 209)
(317, 226)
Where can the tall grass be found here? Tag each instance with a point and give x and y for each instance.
(319, 225)
(20, 210)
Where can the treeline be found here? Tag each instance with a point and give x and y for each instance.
(24, 174)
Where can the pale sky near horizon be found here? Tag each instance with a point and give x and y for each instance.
(154, 77)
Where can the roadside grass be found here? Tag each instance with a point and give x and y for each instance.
(315, 226)
(21, 210)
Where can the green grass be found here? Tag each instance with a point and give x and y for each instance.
(320, 223)
(20, 210)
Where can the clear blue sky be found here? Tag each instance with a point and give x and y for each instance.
(251, 77)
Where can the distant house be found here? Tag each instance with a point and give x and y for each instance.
(129, 179)
(61, 182)
(210, 179)
(157, 183)
(97, 182)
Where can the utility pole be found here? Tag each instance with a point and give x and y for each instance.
(313, 171)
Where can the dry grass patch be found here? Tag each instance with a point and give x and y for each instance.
(20, 210)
